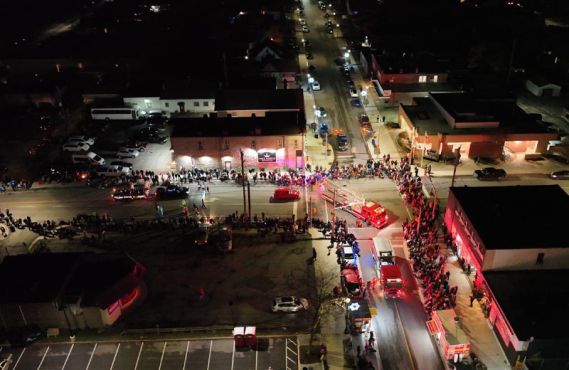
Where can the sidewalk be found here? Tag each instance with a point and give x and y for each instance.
(316, 154)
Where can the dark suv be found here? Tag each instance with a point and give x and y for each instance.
(490, 173)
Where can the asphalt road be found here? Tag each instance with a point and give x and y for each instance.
(334, 94)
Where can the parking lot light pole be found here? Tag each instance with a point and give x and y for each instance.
(243, 184)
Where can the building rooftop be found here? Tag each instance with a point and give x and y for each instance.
(99, 279)
(419, 87)
(291, 99)
(281, 123)
(426, 116)
(535, 302)
(412, 63)
(189, 90)
(517, 217)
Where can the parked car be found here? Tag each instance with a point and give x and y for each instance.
(490, 173)
(316, 86)
(22, 336)
(353, 93)
(285, 194)
(356, 103)
(170, 192)
(81, 139)
(320, 112)
(302, 22)
(289, 304)
(347, 254)
(87, 157)
(305, 29)
(309, 56)
(364, 119)
(75, 147)
(156, 139)
(112, 172)
(560, 175)
(342, 141)
(127, 153)
(121, 164)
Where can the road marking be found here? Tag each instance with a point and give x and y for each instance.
(233, 356)
(91, 358)
(67, 358)
(209, 357)
(186, 355)
(115, 356)
(138, 357)
(162, 357)
(256, 355)
(43, 358)
(19, 358)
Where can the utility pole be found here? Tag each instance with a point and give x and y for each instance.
(456, 162)
(249, 198)
(243, 180)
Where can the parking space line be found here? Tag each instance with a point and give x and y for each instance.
(68, 354)
(43, 358)
(209, 357)
(115, 356)
(256, 355)
(162, 357)
(91, 358)
(19, 358)
(186, 355)
(138, 357)
(233, 356)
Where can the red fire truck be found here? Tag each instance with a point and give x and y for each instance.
(370, 212)
(391, 281)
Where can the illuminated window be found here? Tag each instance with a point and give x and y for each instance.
(435, 78)
(422, 78)
(540, 257)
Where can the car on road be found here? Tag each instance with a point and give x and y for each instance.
(289, 304)
(284, 195)
(75, 147)
(316, 86)
(356, 103)
(320, 112)
(560, 175)
(353, 93)
(305, 29)
(128, 194)
(201, 237)
(170, 192)
(342, 141)
(364, 119)
(490, 173)
(347, 255)
(81, 139)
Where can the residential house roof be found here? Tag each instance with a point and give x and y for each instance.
(228, 100)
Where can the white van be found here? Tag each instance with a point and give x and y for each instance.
(87, 157)
(112, 172)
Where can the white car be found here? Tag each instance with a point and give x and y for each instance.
(127, 153)
(353, 93)
(316, 86)
(289, 304)
(5, 362)
(348, 255)
(305, 29)
(302, 22)
(87, 158)
(75, 147)
(112, 172)
(81, 139)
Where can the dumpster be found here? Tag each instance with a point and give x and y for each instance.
(239, 336)
(251, 336)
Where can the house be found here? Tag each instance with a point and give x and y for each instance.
(271, 60)
(514, 238)
(539, 86)
(69, 290)
(273, 140)
(478, 125)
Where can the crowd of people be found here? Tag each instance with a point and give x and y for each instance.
(421, 234)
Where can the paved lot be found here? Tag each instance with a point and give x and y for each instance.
(220, 354)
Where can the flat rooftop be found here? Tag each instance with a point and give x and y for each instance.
(281, 123)
(517, 217)
(291, 99)
(420, 87)
(427, 117)
(535, 302)
(412, 63)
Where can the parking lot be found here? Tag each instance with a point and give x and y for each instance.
(216, 354)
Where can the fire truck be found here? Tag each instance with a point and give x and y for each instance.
(389, 272)
(371, 212)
